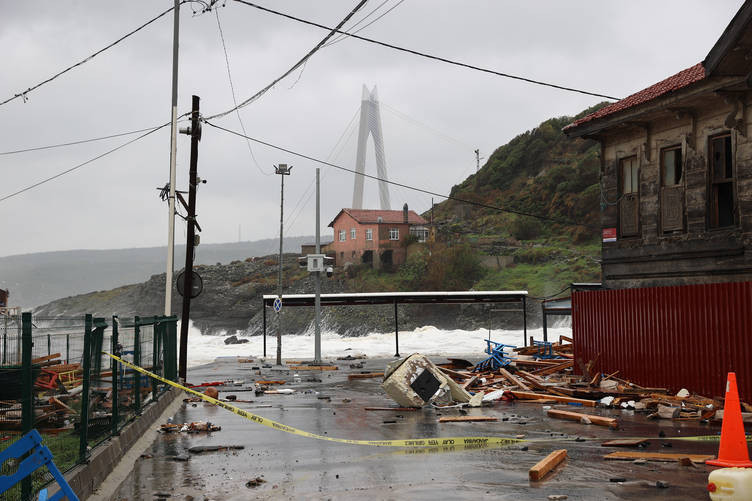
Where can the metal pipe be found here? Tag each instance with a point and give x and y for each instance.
(317, 280)
(173, 155)
(396, 331)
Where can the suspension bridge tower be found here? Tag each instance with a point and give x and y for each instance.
(370, 123)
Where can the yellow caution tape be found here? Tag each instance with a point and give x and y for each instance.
(468, 442)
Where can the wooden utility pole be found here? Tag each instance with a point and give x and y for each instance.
(195, 133)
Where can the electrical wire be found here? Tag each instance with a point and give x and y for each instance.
(234, 100)
(297, 65)
(23, 94)
(414, 188)
(68, 171)
(408, 118)
(423, 54)
(73, 143)
(339, 38)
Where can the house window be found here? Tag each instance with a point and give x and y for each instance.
(393, 233)
(672, 189)
(722, 204)
(352, 234)
(342, 235)
(420, 233)
(369, 234)
(629, 197)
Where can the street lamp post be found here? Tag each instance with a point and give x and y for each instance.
(283, 170)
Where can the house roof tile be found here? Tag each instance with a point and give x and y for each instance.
(671, 84)
(369, 216)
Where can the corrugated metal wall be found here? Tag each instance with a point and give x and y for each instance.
(669, 337)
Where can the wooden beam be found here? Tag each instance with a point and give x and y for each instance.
(547, 464)
(525, 395)
(45, 358)
(576, 416)
(367, 375)
(513, 379)
(313, 368)
(554, 368)
(400, 409)
(463, 419)
(624, 442)
(658, 456)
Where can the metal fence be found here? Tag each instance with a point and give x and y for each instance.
(55, 377)
(686, 336)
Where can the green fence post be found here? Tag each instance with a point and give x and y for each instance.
(49, 345)
(115, 366)
(172, 333)
(67, 348)
(155, 359)
(137, 362)
(84, 423)
(27, 402)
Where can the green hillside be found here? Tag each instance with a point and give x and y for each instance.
(539, 172)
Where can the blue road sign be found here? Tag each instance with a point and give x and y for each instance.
(277, 304)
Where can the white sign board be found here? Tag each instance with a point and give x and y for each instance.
(316, 262)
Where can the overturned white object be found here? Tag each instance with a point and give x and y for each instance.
(415, 381)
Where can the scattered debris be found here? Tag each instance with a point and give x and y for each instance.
(415, 381)
(547, 464)
(399, 409)
(255, 482)
(625, 442)
(313, 367)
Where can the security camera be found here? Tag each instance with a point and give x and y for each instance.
(329, 271)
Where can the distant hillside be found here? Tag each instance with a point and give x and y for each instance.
(35, 279)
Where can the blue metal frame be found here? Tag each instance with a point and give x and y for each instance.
(39, 456)
(497, 359)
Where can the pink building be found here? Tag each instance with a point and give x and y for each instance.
(376, 237)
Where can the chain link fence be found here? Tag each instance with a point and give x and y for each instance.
(56, 377)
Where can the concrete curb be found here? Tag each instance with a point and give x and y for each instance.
(85, 479)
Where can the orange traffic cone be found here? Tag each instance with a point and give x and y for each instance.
(733, 450)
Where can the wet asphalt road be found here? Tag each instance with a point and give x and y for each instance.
(295, 467)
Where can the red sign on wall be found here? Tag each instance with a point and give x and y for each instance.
(609, 234)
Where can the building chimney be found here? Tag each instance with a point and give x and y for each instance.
(404, 213)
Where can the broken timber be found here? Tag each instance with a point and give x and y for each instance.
(367, 375)
(313, 367)
(576, 416)
(658, 456)
(527, 395)
(547, 464)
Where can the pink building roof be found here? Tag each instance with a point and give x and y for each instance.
(371, 216)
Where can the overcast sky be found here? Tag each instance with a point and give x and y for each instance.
(434, 115)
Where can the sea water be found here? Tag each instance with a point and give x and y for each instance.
(428, 340)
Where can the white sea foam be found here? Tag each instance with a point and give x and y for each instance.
(427, 340)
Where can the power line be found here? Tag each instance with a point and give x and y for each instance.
(423, 54)
(367, 25)
(414, 188)
(87, 59)
(68, 171)
(297, 65)
(81, 141)
(361, 21)
(234, 100)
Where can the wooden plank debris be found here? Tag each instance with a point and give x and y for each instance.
(576, 416)
(367, 375)
(526, 395)
(547, 464)
(513, 379)
(400, 409)
(263, 381)
(313, 368)
(463, 419)
(657, 456)
(624, 442)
